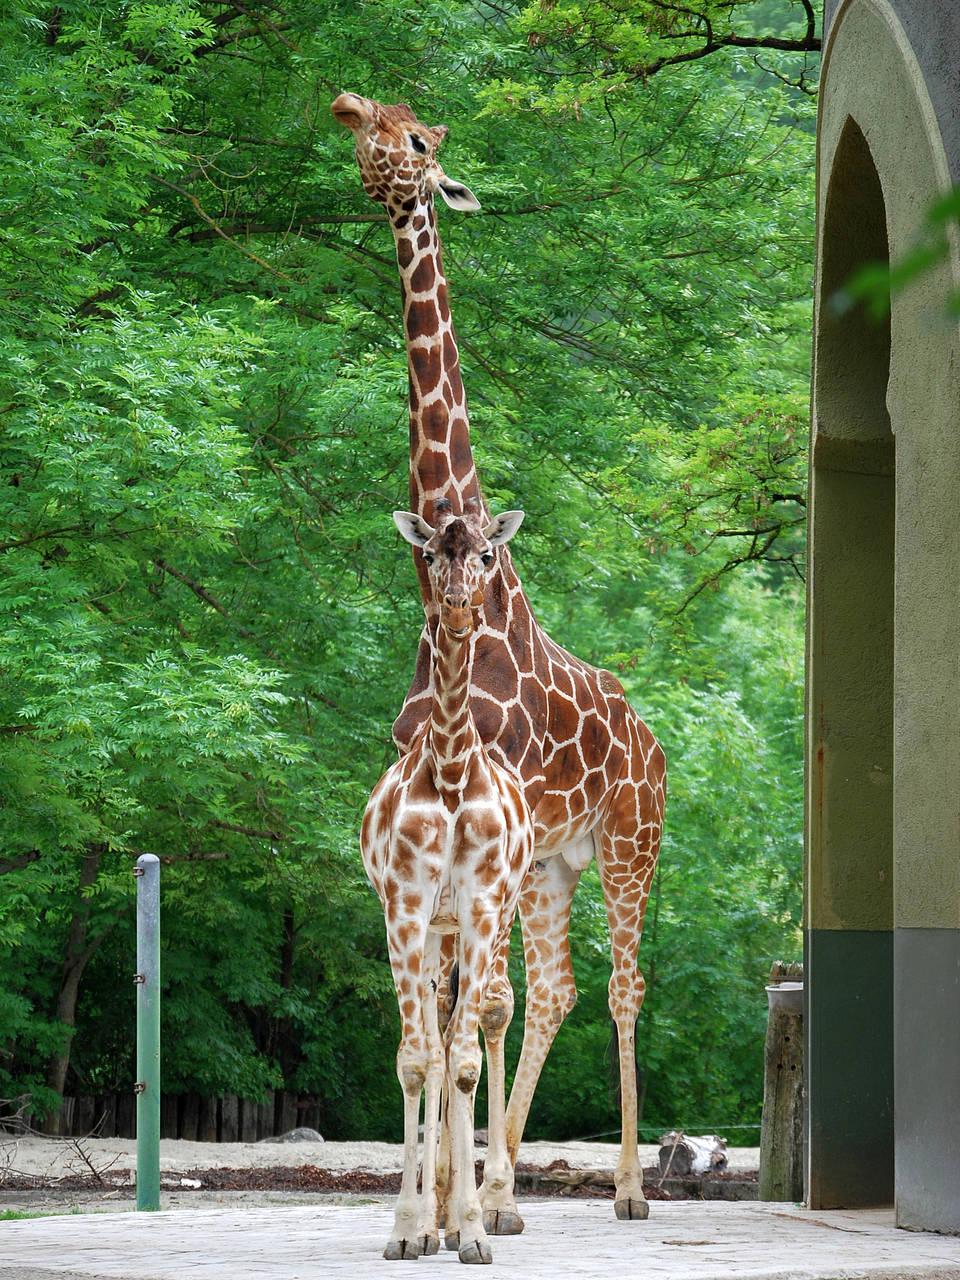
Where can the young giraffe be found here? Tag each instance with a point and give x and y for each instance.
(447, 839)
(592, 772)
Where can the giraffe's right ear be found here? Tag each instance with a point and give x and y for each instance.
(414, 528)
(502, 528)
(458, 196)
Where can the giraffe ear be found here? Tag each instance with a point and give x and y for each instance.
(458, 196)
(502, 528)
(414, 528)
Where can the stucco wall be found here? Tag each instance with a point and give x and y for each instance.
(933, 30)
(888, 146)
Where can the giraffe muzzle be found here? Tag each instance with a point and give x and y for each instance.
(456, 618)
(350, 110)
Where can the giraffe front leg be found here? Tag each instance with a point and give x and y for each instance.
(428, 1235)
(501, 1217)
(464, 1061)
(473, 1245)
(408, 946)
(404, 1242)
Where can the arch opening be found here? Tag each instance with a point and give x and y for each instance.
(849, 937)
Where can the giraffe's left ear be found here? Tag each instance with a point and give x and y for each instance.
(458, 196)
(502, 528)
(414, 528)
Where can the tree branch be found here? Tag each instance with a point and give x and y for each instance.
(212, 222)
(168, 858)
(253, 832)
(19, 862)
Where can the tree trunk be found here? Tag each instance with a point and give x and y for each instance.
(75, 960)
(781, 1134)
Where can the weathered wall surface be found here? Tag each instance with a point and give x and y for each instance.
(932, 28)
(883, 738)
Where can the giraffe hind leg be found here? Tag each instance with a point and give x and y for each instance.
(626, 856)
(551, 991)
(501, 1217)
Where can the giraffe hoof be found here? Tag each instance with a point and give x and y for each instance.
(630, 1210)
(476, 1251)
(429, 1245)
(451, 1240)
(502, 1222)
(402, 1251)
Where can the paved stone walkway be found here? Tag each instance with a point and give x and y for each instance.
(577, 1239)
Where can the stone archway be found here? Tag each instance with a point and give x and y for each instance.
(849, 960)
(883, 696)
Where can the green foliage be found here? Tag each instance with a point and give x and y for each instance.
(874, 283)
(206, 621)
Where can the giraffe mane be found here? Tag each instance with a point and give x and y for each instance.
(397, 113)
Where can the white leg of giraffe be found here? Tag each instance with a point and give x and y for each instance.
(446, 1002)
(551, 991)
(501, 1217)
(446, 1174)
(429, 1227)
(419, 1061)
(463, 1071)
(626, 857)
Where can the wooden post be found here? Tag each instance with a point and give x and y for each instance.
(107, 1115)
(781, 1131)
(247, 1121)
(170, 1116)
(189, 1116)
(265, 1116)
(207, 1124)
(230, 1118)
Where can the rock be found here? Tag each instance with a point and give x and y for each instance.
(296, 1135)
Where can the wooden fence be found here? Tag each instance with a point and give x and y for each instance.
(190, 1116)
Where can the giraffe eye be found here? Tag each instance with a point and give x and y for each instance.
(418, 144)
(427, 558)
(486, 559)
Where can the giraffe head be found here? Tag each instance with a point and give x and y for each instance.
(397, 155)
(459, 554)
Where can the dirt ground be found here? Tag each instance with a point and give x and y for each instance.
(57, 1175)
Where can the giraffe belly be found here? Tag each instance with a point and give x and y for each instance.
(444, 918)
(444, 922)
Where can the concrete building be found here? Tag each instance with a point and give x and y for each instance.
(883, 712)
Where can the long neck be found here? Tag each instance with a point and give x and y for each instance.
(441, 462)
(453, 735)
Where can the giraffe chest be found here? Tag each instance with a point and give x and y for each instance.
(451, 857)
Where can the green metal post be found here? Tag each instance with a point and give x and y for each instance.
(148, 1031)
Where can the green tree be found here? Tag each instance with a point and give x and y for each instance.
(206, 622)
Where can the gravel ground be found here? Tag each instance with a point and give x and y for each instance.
(41, 1175)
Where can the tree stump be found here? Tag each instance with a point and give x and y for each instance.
(781, 1130)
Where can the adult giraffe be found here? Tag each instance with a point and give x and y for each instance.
(592, 772)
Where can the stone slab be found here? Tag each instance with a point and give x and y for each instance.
(579, 1240)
